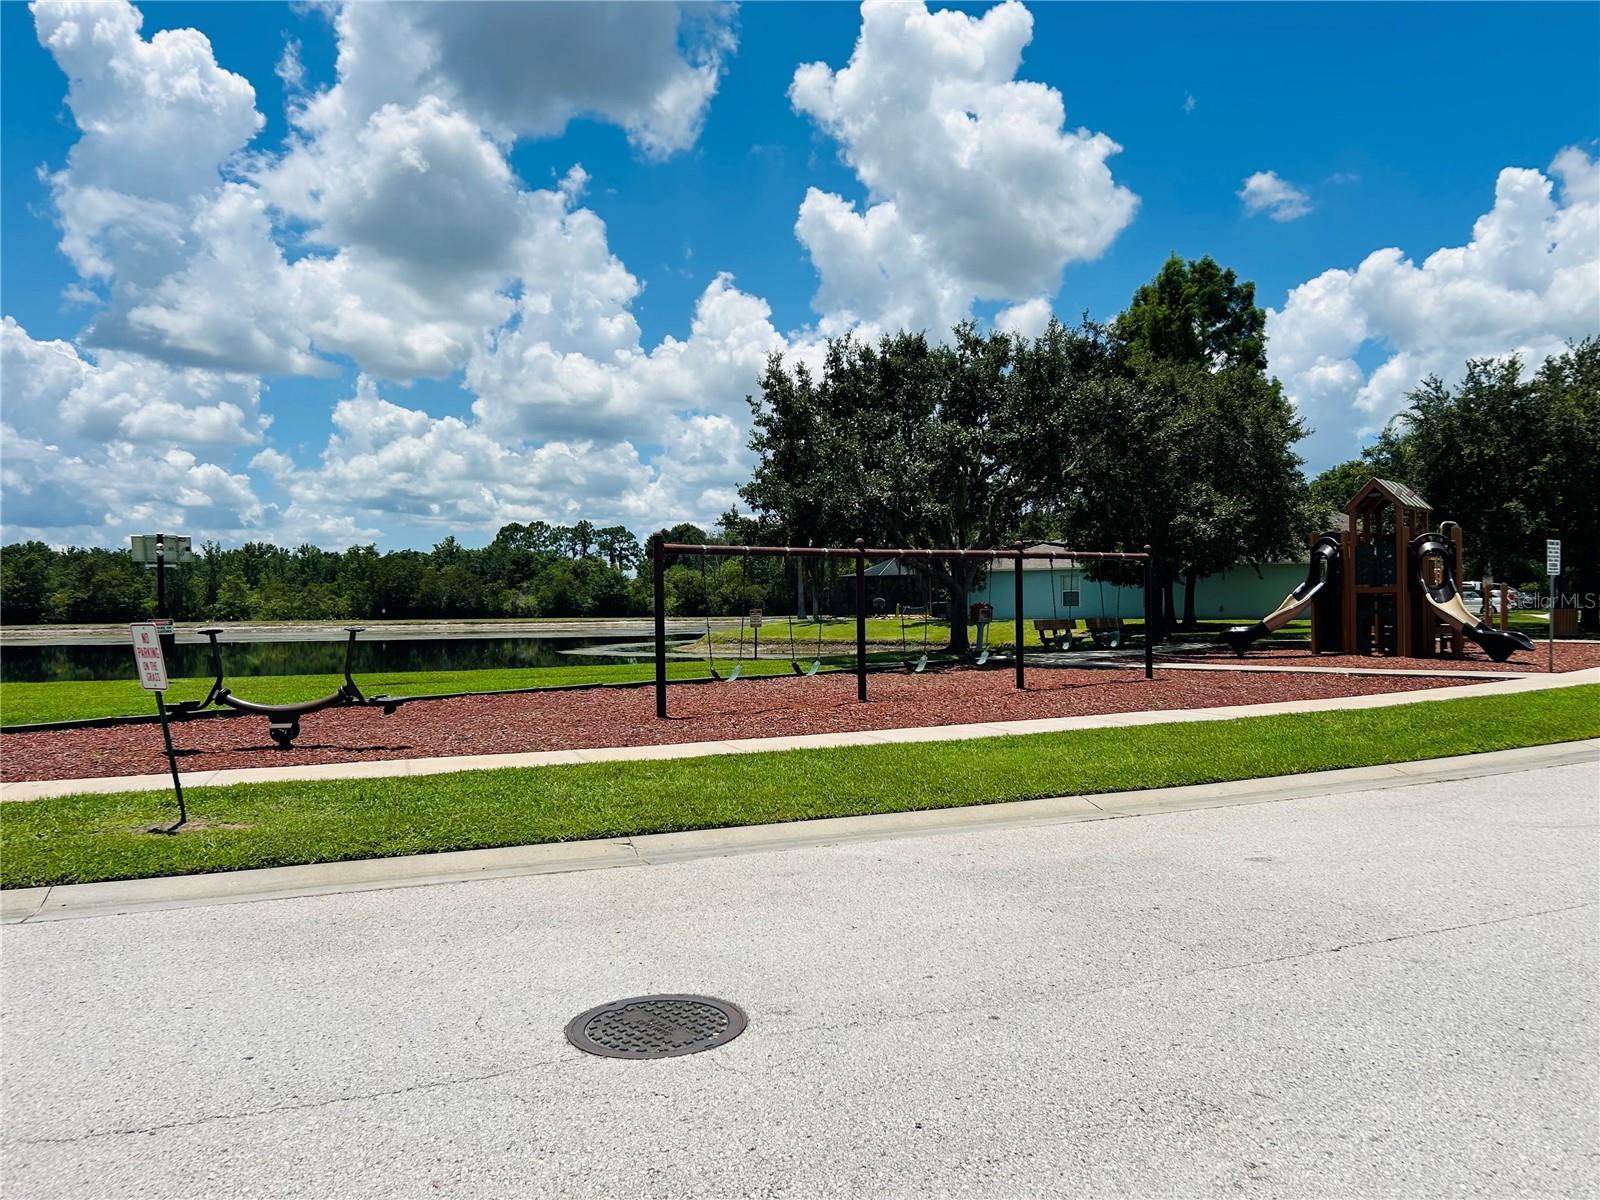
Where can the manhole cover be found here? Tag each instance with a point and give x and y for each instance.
(656, 1026)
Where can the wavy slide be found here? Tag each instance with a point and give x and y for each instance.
(1322, 572)
(1445, 601)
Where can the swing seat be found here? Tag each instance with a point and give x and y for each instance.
(920, 665)
(796, 668)
(984, 656)
(1107, 632)
(738, 669)
(1057, 634)
(814, 668)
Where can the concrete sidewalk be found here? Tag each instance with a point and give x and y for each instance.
(388, 768)
(32, 905)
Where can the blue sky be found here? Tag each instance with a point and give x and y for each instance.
(294, 418)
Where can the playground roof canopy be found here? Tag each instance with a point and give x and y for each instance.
(1397, 492)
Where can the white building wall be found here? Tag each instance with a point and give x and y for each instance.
(1246, 593)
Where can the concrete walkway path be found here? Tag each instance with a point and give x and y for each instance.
(388, 768)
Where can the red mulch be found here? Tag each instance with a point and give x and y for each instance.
(700, 712)
(1570, 656)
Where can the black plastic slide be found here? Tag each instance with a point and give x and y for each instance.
(1324, 557)
(1445, 601)
(1498, 644)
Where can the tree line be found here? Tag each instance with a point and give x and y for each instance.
(530, 570)
(1512, 456)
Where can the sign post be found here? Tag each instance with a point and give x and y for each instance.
(152, 666)
(159, 550)
(755, 624)
(1552, 568)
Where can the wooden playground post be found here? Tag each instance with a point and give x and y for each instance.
(1458, 639)
(1404, 618)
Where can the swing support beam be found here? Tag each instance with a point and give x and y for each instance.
(859, 553)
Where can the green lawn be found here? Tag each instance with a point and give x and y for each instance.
(885, 631)
(28, 703)
(881, 631)
(77, 839)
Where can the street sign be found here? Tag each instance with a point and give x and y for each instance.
(755, 618)
(1552, 568)
(148, 658)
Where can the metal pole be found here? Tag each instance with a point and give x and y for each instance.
(172, 760)
(1149, 615)
(161, 574)
(658, 575)
(1017, 617)
(861, 620)
(1550, 634)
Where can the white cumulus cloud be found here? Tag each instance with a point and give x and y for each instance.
(1526, 282)
(527, 69)
(1267, 192)
(90, 446)
(977, 187)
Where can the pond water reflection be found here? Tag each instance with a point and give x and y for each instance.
(55, 664)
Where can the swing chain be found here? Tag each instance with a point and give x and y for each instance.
(705, 592)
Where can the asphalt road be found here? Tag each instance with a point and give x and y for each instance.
(1372, 994)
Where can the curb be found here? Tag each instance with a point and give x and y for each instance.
(116, 898)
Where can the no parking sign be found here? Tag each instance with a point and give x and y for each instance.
(147, 656)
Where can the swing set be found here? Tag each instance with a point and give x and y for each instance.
(920, 664)
(754, 618)
(1061, 633)
(661, 550)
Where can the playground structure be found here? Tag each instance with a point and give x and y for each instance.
(660, 550)
(285, 718)
(1387, 584)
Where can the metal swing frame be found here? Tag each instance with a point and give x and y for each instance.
(661, 549)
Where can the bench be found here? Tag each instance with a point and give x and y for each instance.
(1057, 634)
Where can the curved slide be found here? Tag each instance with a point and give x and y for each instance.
(1445, 603)
(1324, 560)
